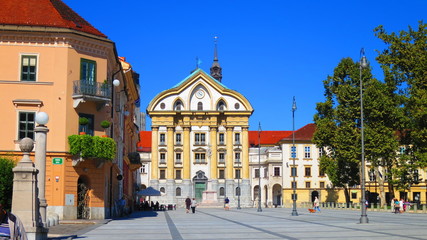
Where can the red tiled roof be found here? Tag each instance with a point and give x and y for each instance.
(304, 133)
(43, 13)
(267, 137)
(144, 144)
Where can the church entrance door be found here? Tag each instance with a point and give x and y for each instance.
(199, 188)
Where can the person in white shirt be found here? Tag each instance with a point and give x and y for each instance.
(193, 205)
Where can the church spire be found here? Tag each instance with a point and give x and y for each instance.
(216, 70)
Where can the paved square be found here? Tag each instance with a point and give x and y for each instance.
(271, 223)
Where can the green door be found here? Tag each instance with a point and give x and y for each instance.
(199, 188)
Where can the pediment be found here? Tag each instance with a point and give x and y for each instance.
(199, 92)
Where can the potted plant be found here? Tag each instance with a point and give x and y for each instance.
(105, 124)
(83, 122)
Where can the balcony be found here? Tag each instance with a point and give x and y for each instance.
(84, 91)
(135, 161)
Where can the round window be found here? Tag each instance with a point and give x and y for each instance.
(162, 105)
(237, 106)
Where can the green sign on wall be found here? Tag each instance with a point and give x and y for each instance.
(57, 160)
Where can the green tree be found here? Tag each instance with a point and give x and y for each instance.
(338, 126)
(404, 63)
(383, 116)
(6, 181)
(337, 129)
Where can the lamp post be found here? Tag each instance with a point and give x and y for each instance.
(293, 152)
(362, 64)
(238, 187)
(259, 168)
(40, 160)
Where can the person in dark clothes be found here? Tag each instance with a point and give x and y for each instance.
(187, 204)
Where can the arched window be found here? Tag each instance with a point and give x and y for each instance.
(199, 106)
(256, 190)
(162, 189)
(178, 192)
(221, 106)
(178, 106)
(237, 191)
(221, 191)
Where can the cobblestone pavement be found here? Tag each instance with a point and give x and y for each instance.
(247, 224)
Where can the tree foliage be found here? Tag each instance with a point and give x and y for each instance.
(6, 181)
(337, 126)
(395, 114)
(404, 63)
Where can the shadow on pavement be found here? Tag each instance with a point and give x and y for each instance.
(139, 214)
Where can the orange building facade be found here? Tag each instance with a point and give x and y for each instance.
(56, 62)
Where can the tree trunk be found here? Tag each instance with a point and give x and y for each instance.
(391, 190)
(381, 186)
(347, 194)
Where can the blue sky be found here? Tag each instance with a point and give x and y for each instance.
(269, 50)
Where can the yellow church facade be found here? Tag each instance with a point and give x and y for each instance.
(200, 141)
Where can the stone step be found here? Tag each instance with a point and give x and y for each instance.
(210, 205)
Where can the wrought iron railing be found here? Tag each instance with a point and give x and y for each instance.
(83, 87)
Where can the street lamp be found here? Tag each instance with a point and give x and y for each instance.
(362, 64)
(293, 152)
(41, 131)
(238, 187)
(259, 168)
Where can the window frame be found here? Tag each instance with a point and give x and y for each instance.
(221, 159)
(221, 191)
(293, 151)
(162, 158)
(294, 172)
(178, 174)
(276, 172)
(237, 138)
(221, 138)
(199, 138)
(307, 152)
(257, 172)
(200, 157)
(29, 72)
(29, 125)
(92, 79)
(162, 174)
(162, 139)
(237, 157)
(237, 174)
(89, 128)
(178, 158)
(178, 139)
(307, 169)
(221, 174)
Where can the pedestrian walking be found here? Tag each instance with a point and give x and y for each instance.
(316, 204)
(226, 204)
(396, 206)
(187, 204)
(193, 205)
